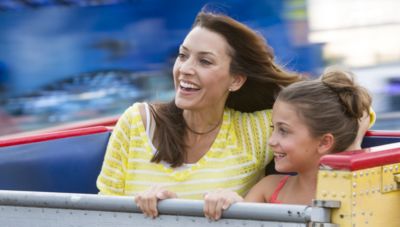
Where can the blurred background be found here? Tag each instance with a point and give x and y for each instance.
(70, 61)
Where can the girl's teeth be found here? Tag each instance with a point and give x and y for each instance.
(279, 155)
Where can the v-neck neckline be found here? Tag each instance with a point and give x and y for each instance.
(183, 174)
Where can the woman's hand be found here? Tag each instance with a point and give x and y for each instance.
(147, 201)
(217, 201)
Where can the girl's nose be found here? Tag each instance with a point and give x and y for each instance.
(272, 140)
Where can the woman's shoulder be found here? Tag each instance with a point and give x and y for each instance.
(133, 113)
(259, 113)
(253, 121)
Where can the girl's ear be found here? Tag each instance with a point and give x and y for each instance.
(326, 144)
(237, 83)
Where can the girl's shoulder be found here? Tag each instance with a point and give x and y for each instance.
(273, 179)
(263, 190)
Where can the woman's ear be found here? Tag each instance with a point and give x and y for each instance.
(237, 83)
(326, 144)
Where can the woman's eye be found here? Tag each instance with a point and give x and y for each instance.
(205, 62)
(182, 56)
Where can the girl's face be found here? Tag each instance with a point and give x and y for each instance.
(294, 148)
(202, 71)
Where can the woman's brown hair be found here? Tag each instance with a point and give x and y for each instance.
(251, 57)
(332, 104)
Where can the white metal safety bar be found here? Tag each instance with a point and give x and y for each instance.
(22, 208)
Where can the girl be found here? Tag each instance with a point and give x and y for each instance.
(309, 119)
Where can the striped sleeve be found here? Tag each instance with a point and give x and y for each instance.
(256, 130)
(112, 176)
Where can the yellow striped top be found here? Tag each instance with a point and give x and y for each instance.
(235, 160)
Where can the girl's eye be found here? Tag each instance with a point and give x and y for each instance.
(283, 131)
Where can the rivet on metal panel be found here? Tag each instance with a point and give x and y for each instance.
(385, 170)
(324, 174)
(354, 184)
(354, 204)
(361, 174)
(355, 175)
(354, 194)
(397, 177)
(334, 174)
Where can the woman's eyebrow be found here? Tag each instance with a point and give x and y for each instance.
(200, 53)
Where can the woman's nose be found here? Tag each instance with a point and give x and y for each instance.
(187, 67)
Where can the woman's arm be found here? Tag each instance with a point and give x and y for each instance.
(111, 180)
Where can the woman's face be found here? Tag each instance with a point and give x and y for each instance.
(294, 148)
(202, 71)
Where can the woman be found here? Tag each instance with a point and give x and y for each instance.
(214, 133)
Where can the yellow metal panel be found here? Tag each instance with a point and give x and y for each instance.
(390, 175)
(369, 197)
(336, 185)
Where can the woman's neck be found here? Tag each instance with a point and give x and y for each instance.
(203, 122)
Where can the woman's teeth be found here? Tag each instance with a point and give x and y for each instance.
(187, 85)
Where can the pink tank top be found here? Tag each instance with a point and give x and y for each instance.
(274, 196)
